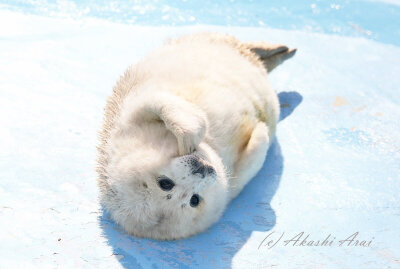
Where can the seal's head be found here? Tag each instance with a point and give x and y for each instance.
(152, 192)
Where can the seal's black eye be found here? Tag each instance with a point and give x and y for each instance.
(195, 200)
(165, 183)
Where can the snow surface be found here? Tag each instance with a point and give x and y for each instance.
(373, 19)
(334, 168)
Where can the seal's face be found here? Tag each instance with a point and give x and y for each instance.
(160, 195)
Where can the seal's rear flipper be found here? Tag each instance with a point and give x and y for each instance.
(271, 55)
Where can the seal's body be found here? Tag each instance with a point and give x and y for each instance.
(185, 129)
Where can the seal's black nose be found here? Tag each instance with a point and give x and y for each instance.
(201, 168)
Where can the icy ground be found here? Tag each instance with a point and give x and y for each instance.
(373, 19)
(334, 169)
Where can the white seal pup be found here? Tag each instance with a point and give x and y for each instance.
(185, 129)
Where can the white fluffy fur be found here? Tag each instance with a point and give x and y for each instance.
(203, 97)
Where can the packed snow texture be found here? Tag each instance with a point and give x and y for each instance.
(333, 170)
(373, 19)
